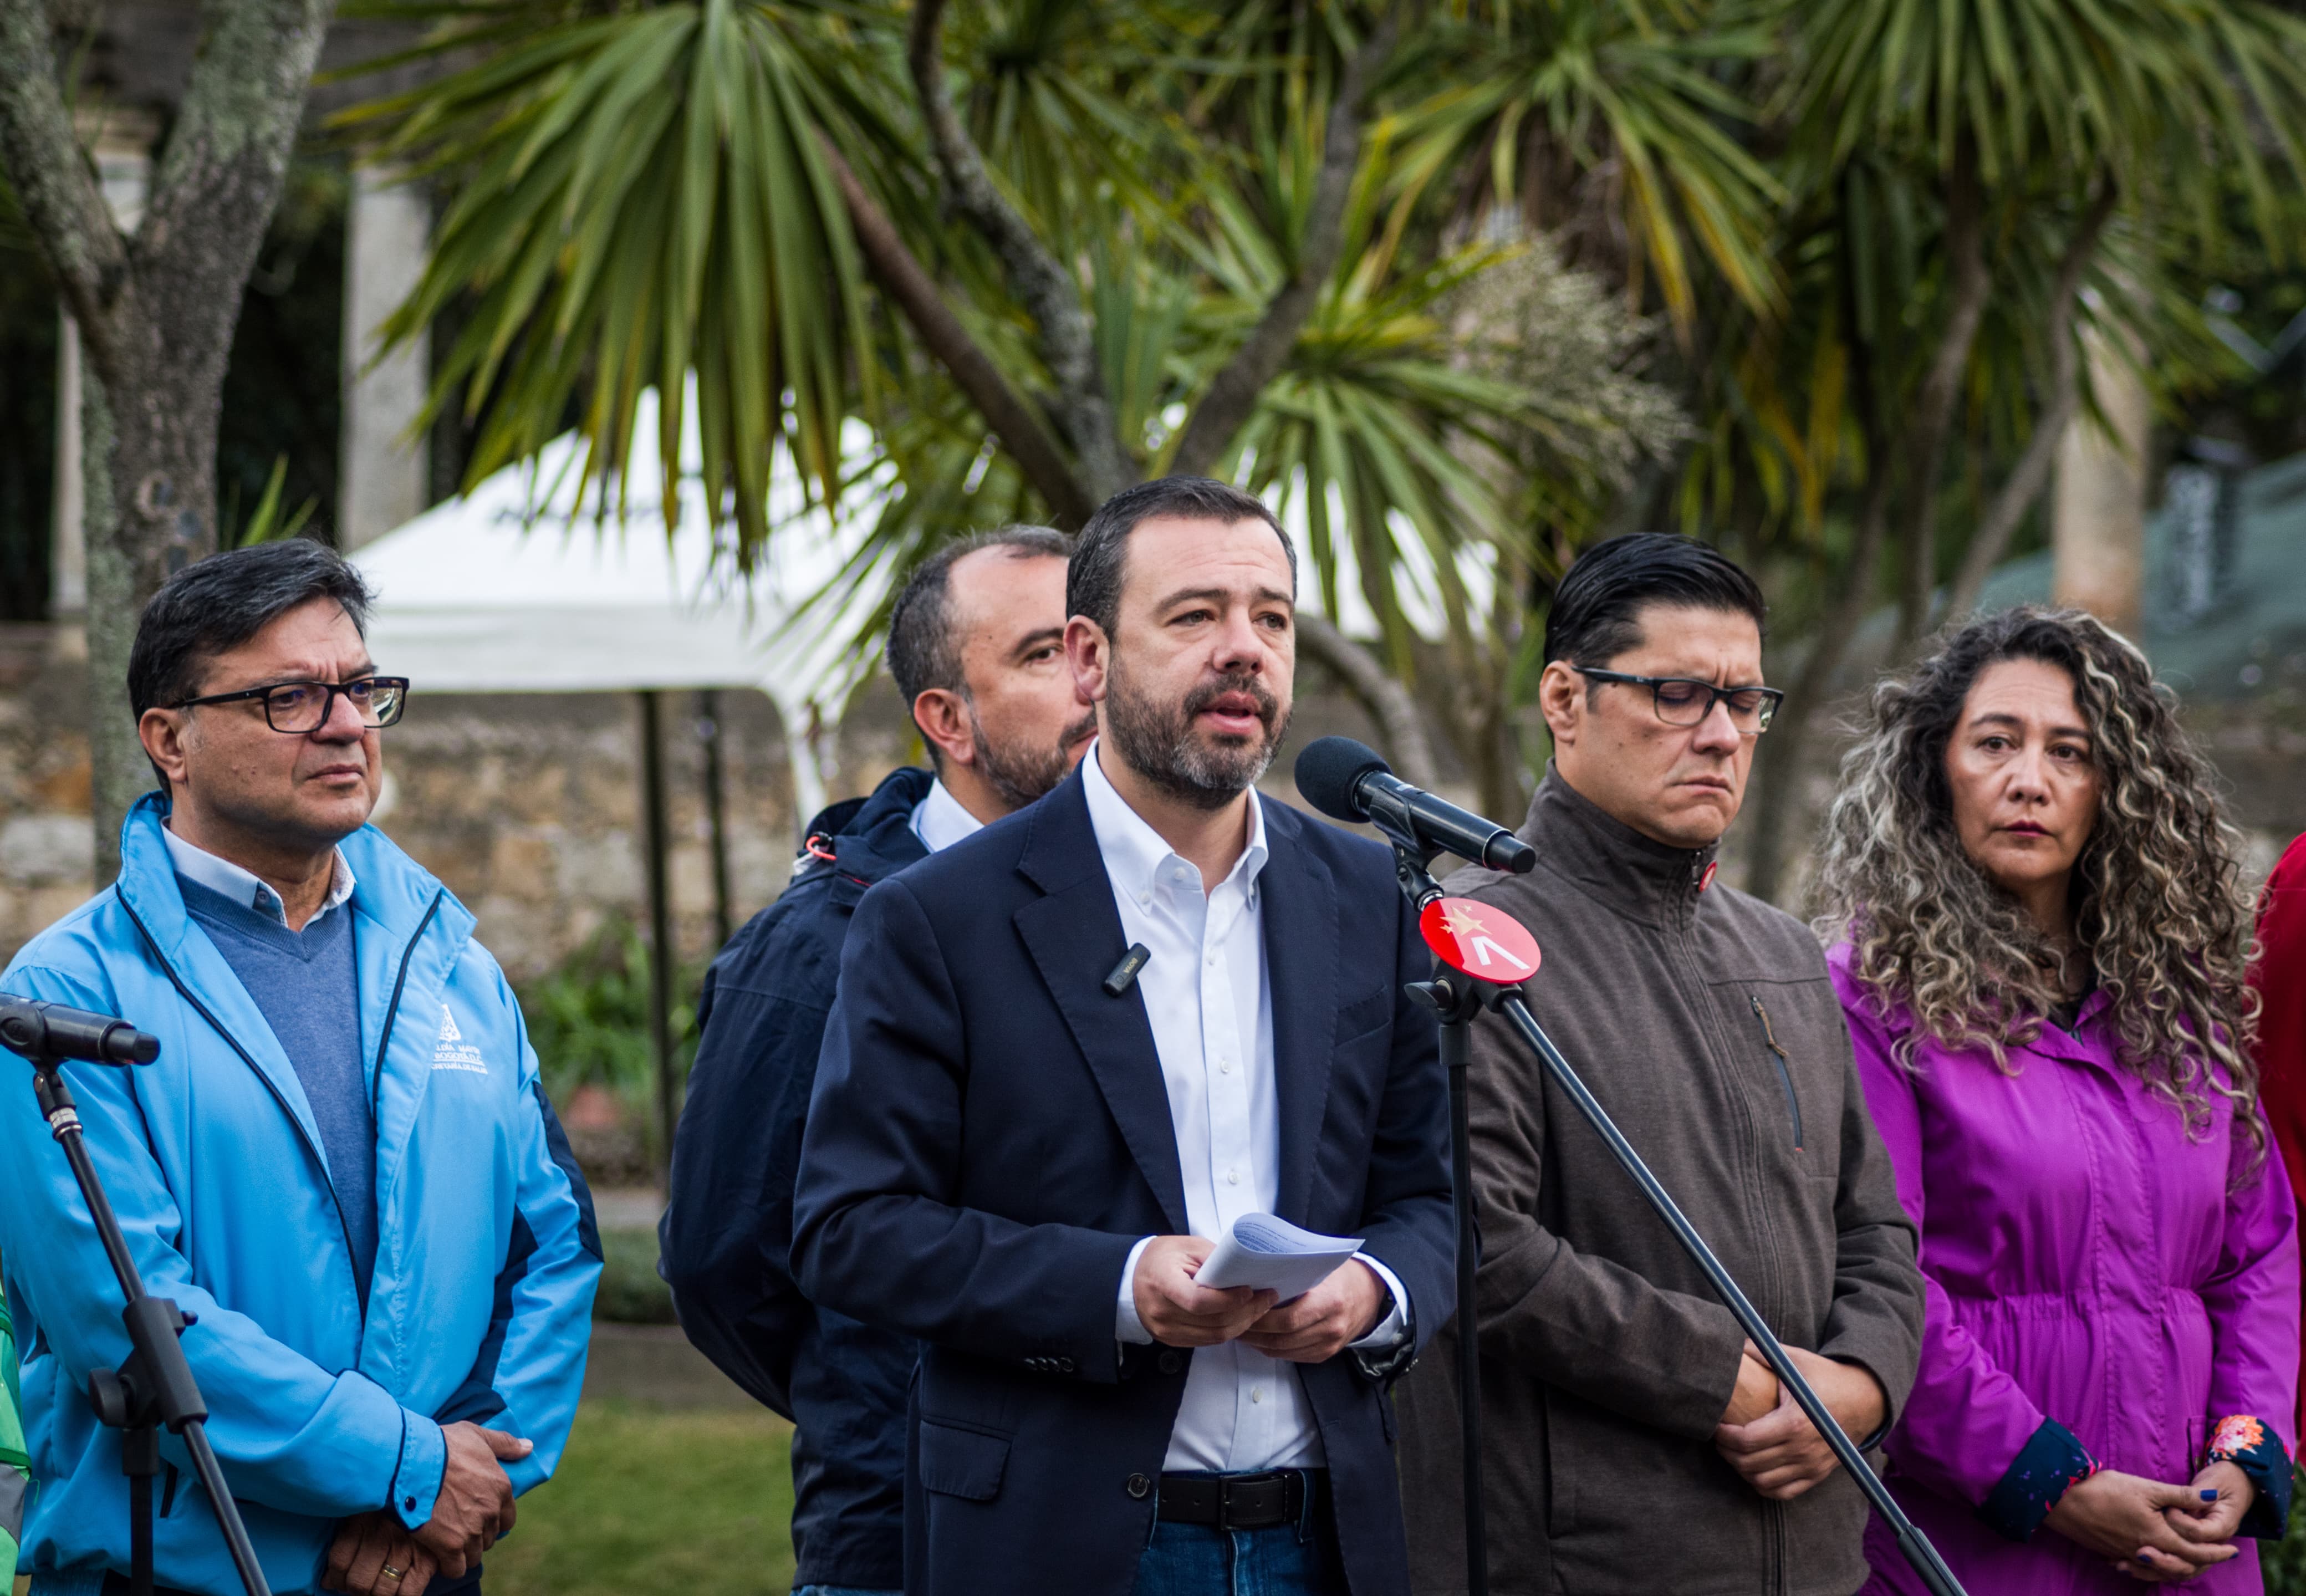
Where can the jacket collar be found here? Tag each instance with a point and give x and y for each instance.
(876, 838)
(1641, 878)
(391, 890)
(409, 933)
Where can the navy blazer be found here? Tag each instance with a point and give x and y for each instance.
(990, 1136)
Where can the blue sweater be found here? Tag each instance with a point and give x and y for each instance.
(306, 984)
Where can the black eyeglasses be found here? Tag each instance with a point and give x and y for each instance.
(1683, 701)
(305, 706)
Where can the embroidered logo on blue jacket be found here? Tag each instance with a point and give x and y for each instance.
(452, 1052)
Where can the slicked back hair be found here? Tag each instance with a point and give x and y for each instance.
(1100, 554)
(922, 651)
(215, 605)
(1596, 614)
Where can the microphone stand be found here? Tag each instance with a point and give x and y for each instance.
(155, 1387)
(1455, 1005)
(1456, 996)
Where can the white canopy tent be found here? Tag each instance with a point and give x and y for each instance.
(523, 586)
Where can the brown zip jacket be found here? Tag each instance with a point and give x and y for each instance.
(1704, 1021)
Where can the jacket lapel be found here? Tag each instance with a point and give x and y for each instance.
(1301, 969)
(1073, 935)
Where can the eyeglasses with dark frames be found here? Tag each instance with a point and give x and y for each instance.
(306, 706)
(1685, 701)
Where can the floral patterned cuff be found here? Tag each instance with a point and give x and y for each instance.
(2254, 1449)
(2050, 1462)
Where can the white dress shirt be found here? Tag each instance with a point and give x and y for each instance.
(939, 820)
(1208, 1002)
(222, 876)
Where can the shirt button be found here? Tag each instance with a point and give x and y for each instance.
(1210, 960)
(1257, 1394)
(1225, 1066)
(1233, 1177)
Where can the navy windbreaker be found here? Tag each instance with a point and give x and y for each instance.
(727, 1234)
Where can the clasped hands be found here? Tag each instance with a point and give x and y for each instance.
(1178, 1311)
(1771, 1442)
(375, 1555)
(2163, 1534)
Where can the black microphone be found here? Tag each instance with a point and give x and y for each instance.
(51, 1031)
(1349, 780)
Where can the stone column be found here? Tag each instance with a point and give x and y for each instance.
(2097, 514)
(121, 144)
(384, 466)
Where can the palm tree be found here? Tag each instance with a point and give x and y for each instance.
(1971, 183)
(1042, 249)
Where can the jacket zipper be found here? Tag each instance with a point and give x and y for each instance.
(1778, 1057)
(343, 1225)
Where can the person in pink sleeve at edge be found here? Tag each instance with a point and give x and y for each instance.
(2041, 933)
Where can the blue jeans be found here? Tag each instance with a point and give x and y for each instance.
(1299, 1559)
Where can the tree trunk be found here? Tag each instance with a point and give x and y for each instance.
(156, 314)
(1969, 285)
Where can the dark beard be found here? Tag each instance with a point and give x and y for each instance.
(1159, 743)
(1023, 775)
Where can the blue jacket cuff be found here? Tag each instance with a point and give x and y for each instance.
(2253, 1448)
(2047, 1466)
(417, 1481)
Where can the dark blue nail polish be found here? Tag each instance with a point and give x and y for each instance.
(2209, 1495)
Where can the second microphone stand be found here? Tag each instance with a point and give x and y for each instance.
(1456, 997)
(155, 1388)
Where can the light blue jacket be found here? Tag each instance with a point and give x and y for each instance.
(486, 1251)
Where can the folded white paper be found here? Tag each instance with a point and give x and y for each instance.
(1270, 1254)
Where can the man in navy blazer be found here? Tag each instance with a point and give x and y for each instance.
(1024, 1141)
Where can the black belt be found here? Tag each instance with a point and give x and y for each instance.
(1241, 1501)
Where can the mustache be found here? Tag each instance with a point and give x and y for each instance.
(1253, 686)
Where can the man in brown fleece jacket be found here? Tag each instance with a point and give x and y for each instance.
(1632, 1442)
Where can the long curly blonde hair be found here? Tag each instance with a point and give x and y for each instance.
(2159, 904)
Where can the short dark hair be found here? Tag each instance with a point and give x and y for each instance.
(219, 603)
(1596, 614)
(1093, 580)
(922, 652)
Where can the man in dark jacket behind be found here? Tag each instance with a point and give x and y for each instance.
(977, 647)
(1632, 1442)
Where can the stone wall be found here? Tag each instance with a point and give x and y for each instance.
(528, 806)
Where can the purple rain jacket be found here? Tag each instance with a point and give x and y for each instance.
(2104, 1291)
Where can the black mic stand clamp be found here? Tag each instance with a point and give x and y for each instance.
(155, 1387)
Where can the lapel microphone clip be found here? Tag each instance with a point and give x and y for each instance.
(1124, 973)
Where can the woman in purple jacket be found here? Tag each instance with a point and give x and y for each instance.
(2042, 963)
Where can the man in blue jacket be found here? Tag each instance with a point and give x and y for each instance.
(977, 648)
(341, 1167)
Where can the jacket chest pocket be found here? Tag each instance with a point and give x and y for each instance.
(1781, 1063)
(1788, 1049)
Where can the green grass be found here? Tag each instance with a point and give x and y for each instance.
(651, 1499)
